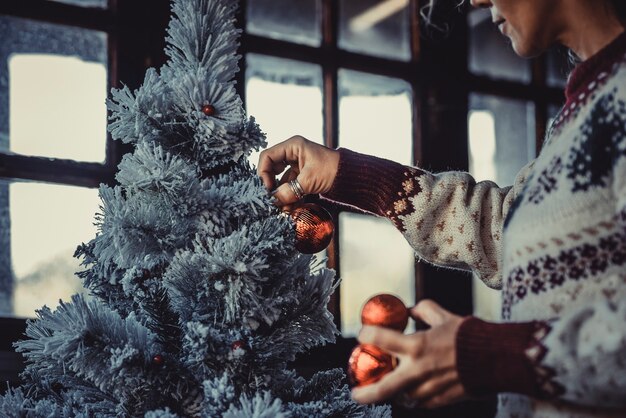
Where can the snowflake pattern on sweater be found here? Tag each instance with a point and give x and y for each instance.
(554, 243)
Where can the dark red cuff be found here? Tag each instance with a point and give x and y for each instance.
(491, 357)
(366, 182)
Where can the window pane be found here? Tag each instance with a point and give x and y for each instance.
(375, 27)
(501, 137)
(285, 97)
(375, 258)
(501, 142)
(85, 3)
(559, 67)
(295, 21)
(53, 90)
(375, 115)
(553, 112)
(490, 53)
(42, 242)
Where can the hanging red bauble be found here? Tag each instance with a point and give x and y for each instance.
(208, 110)
(236, 345)
(158, 360)
(314, 228)
(385, 310)
(368, 364)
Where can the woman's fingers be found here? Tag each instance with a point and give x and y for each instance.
(286, 195)
(268, 168)
(385, 388)
(430, 312)
(391, 341)
(312, 164)
(451, 394)
(274, 160)
(437, 384)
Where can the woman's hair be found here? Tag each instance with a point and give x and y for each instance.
(437, 20)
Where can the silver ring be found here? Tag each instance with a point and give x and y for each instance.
(296, 188)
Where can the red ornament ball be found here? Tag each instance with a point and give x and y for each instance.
(385, 310)
(314, 228)
(158, 360)
(368, 364)
(236, 345)
(208, 110)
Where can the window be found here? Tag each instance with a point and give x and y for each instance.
(58, 60)
(54, 113)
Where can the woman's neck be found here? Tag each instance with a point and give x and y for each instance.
(585, 37)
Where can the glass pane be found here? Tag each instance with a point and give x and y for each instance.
(559, 67)
(375, 258)
(490, 53)
(295, 21)
(85, 3)
(501, 137)
(375, 27)
(53, 87)
(42, 242)
(285, 97)
(501, 142)
(553, 111)
(375, 115)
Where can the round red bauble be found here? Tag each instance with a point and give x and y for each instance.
(208, 110)
(236, 345)
(158, 360)
(314, 228)
(368, 364)
(385, 310)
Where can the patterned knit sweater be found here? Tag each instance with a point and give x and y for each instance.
(554, 243)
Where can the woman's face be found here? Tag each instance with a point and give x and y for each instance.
(531, 25)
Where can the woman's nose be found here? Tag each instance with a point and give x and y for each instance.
(481, 3)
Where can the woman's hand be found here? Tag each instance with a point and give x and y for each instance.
(314, 167)
(427, 371)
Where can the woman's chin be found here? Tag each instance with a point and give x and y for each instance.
(524, 50)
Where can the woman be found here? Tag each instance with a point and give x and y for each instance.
(554, 242)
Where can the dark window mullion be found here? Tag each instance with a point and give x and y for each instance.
(54, 170)
(539, 77)
(414, 16)
(514, 90)
(113, 148)
(330, 29)
(240, 77)
(343, 59)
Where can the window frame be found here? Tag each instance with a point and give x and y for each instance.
(57, 170)
(131, 49)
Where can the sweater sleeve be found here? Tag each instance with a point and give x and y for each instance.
(448, 218)
(579, 357)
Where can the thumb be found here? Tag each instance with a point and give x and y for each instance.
(285, 195)
(430, 312)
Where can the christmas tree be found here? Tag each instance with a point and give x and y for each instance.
(198, 298)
